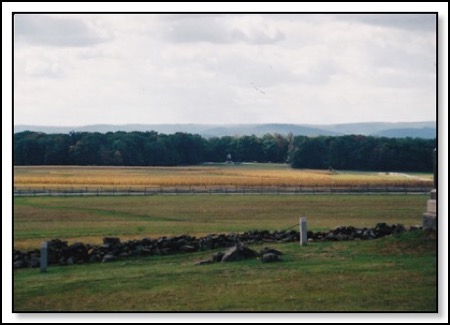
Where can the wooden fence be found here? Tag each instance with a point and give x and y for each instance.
(224, 190)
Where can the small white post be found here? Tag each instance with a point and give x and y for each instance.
(303, 232)
(43, 256)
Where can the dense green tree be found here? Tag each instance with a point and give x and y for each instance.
(353, 152)
(275, 148)
(310, 153)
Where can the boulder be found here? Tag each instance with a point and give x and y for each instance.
(111, 242)
(187, 248)
(109, 258)
(94, 258)
(267, 250)
(217, 256)
(237, 253)
(34, 262)
(381, 230)
(19, 264)
(78, 251)
(54, 250)
(269, 258)
(398, 228)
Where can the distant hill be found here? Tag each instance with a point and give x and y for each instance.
(261, 129)
(399, 130)
(426, 133)
(376, 128)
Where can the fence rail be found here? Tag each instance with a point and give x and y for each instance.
(224, 190)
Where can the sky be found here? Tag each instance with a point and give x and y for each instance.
(73, 70)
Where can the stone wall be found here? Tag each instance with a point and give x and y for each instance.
(60, 253)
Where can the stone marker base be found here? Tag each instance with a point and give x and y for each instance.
(429, 217)
(429, 221)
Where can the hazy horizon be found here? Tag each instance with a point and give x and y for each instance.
(230, 124)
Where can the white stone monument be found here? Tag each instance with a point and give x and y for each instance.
(303, 232)
(44, 260)
(429, 217)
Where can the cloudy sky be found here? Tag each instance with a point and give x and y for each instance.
(72, 70)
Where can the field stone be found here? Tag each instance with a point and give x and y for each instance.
(19, 264)
(187, 248)
(164, 251)
(237, 253)
(79, 251)
(398, 228)
(232, 255)
(269, 258)
(110, 242)
(94, 258)
(217, 256)
(267, 250)
(109, 258)
(34, 262)
(146, 252)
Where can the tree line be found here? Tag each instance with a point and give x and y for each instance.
(154, 149)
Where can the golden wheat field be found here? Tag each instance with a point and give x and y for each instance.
(251, 175)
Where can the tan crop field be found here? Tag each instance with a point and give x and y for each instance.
(251, 175)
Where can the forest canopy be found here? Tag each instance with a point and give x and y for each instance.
(349, 152)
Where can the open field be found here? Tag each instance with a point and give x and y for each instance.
(388, 274)
(89, 219)
(206, 175)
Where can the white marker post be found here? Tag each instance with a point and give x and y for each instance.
(43, 263)
(303, 232)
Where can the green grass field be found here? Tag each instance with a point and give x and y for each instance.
(89, 219)
(389, 274)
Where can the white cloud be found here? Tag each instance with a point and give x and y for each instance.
(223, 69)
(252, 29)
(57, 30)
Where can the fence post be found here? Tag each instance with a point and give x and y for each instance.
(303, 232)
(44, 260)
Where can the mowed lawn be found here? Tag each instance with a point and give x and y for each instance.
(89, 219)
(388, 274)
